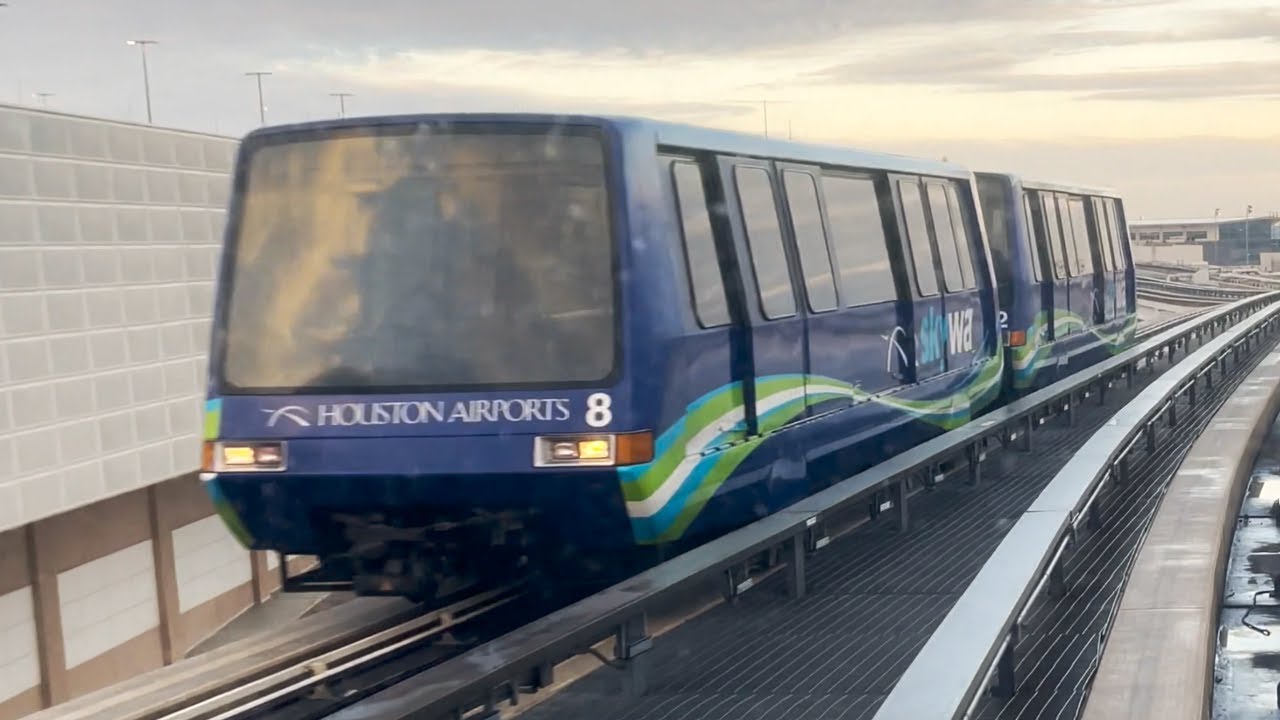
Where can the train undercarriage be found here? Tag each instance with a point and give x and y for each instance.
(437, 560)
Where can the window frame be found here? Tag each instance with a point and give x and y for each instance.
(672, 162)
(939, 242)
(888, 234)
(767, 171)
(908, 245)
(813, 184)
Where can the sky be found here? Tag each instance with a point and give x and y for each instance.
(1175, 103)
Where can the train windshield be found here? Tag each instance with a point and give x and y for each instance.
(421, 258)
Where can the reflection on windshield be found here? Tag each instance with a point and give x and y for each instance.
(420, 260)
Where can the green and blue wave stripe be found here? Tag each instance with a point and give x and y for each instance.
(212, 418)
(1029, 359)
(693, 457)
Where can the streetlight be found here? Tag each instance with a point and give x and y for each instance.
(764, 110)
(262, 108)
(1247, 212)
(44, 98)
(146, 79)
(342, 102)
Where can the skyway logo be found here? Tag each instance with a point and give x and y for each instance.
(296, 413)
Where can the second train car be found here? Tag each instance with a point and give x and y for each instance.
(446, 346)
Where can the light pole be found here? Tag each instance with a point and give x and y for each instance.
(146, 79)
(1247, 212)
(44, 98)
(342, 102)
(262, 108)
(764, 110)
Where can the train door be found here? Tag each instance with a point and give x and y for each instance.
(1061, 266)
(1126, 300)
(966, 324)
(837, 223)
(775, 321)
(928, 315)
(1042, 266)
(722, 347)
(1106, 250)
(808, 241)
(1084, 302)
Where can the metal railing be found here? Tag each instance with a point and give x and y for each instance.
(522, 661)
(1193, 290)
(975, 642)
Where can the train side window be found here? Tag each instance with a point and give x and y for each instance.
(1118, 232)
(859, 240)
(764, 240)
(709, 302)
(1080, 232)
(1053, 237)
(1033, 239)
(960, 229)
(918, 237)
(945, 234)
(811, 240)
(1103, 224)
(1068, 236)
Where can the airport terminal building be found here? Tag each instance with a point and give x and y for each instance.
(1226, 241)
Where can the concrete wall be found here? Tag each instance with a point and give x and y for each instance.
(111, 559)
(125, 585)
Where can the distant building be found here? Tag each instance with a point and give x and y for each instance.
(1224, 239)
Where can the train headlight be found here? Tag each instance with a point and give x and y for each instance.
(226, 456)
(593, 450)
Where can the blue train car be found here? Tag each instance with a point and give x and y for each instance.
(448, 345)
(1065, 275)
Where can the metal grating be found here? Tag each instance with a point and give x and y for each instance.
(874, 597)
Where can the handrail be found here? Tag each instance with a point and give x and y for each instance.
(976, 640)
(522, 660)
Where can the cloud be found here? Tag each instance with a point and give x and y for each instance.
(587, 25)
(1224, 54)
(1157, 178)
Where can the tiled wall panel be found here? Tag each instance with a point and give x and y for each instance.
(109, 235)
(107, 601)
(208, 562)
(19, 658)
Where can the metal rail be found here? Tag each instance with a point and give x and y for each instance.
(1154, 329)
(1194, 290)
(247, 680)
(976, 640)
(522, 661)
(1177, 298)
(261, 696)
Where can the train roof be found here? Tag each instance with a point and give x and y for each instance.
(675, 135)
(1074, 188)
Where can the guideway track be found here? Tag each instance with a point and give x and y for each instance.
(1178, 298)
(307, 670)
(870, 602)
